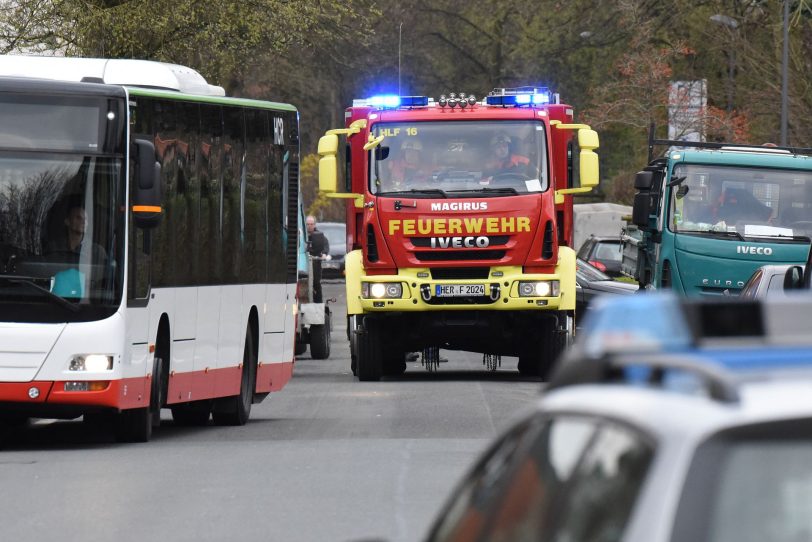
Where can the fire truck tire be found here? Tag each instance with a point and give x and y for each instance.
(542, 350)
(236, 410)
(370, 351)
(394, 363)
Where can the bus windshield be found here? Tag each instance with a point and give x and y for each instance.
(459, 159)
(61, 232)
(740, 201)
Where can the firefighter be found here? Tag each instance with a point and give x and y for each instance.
(408, 166)
(502, 160)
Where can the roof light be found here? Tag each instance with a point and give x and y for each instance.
(519, 96)
(383, 101)
(414, 101)
(390, 101)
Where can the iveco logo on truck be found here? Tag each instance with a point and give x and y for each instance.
(745, 249)
(460, 206)
(460, 242)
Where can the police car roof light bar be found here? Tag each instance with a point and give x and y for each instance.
(719, 384)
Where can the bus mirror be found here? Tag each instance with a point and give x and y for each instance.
(794, 278)
(146, 198)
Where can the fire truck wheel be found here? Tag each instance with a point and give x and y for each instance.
(394, 363)
(236, 410)
(541, 351)
(370, 351)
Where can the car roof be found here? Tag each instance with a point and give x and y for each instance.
(666, 414)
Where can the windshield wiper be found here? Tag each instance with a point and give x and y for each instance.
(413, 191)
(29, 281)
(676, 181)
(501, 189)
(735, 234)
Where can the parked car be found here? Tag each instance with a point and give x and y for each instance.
(591, 282)
(605, 253)
(336, 233)
(767, 280)
(713, 444)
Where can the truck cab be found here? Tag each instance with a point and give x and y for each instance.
(710, 214)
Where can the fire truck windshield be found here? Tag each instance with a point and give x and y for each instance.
(459, 158)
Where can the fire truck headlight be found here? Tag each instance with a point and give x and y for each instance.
(91, 363)
(380, 290)
(542, 288)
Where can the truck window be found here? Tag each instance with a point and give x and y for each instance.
(756, 202)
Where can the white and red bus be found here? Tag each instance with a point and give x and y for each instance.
(148, 235)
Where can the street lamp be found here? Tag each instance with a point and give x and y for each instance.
(733, 25)
(785, 76)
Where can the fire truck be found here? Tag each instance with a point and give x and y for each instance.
(459, 226)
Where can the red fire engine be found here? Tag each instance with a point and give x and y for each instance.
(459, 226)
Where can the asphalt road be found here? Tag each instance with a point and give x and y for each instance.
(326, 459)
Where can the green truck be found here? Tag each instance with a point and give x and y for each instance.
(707, 215)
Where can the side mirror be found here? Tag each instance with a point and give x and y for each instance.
(641, 210)
(382, 152)
(328, 167)
(146, 197)
(794, 278)
(588, 142)
(643, 180)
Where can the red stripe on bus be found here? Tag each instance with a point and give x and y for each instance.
(129, 393)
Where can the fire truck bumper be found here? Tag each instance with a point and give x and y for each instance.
(504, 289)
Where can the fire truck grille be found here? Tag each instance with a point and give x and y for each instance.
(459, 255)
(493, 241)
(460, 273)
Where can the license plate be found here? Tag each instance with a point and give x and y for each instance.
(459, 290)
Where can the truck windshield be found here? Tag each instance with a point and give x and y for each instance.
(741, 202)
(460, 159)
(61, 232)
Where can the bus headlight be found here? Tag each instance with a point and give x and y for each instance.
(540, 288)
(381, 290)
(91, 363)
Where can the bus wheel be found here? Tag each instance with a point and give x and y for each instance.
(370, 351)
(237, 409)
(135, 425)
(196, 413)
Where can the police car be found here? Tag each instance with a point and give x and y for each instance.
(670, 420)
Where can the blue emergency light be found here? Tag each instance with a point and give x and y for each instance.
(384, 101)
(390, 101)
(519, 96)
